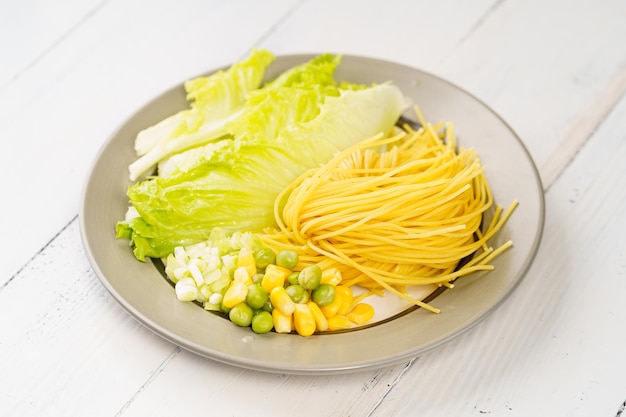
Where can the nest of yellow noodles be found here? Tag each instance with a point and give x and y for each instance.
(393, 212)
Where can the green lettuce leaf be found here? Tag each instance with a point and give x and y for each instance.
(220, 100)
(232, 184)
(215, 100)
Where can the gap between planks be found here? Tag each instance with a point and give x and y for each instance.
(392, 385)
(3, 285)
(56, 43)
(583, 128)
(151, 378)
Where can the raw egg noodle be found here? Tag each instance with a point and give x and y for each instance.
(393, 212)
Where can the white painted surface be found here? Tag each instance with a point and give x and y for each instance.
(555, 70)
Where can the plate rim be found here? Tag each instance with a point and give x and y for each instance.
(305, 368)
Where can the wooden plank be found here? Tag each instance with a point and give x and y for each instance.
(66, 345)
(29, 30)
(420, 33)
(225, 390)
(550, 68)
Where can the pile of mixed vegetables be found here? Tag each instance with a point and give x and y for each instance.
(257, 287)
(206, 180)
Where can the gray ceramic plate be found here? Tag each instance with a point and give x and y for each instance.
(143, 292)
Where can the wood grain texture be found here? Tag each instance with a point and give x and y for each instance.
(32, 29)
(66, 345)
(238, 392)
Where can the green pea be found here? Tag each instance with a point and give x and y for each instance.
(262, 322)
(287, 259)
(292, 279)
(268, 306)
(224, 309)
(297, 294)
(263, 257)
(310, 277)
(257, 296)
(241, 315)
(323, 295)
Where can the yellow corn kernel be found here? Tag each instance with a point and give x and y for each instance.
(361, 313)
(339, 322)
(346, 299)
(281, 301)
(303, 320)
(282, 322)
(331, 276)
(241, 274)
(246, 260)
(321, 322)
(274, 276)
(235, 294)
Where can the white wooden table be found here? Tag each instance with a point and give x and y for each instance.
(71, 71)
